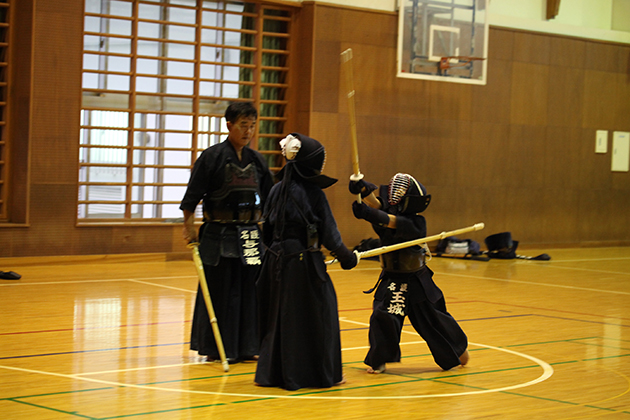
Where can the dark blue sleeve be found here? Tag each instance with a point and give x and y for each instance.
(410, 227)
(205, 176)
(329, 235)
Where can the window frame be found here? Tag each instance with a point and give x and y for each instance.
(5, 138)
(268, 85)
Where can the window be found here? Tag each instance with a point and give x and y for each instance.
(4, 83)
(157, 77)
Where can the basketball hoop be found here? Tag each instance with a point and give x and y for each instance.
(462, 60)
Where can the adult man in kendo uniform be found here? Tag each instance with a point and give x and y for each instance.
(405, 286)
(233, 181)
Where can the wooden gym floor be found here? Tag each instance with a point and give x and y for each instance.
(107, 338)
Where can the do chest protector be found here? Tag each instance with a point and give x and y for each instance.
(406, 260)
(238, 200)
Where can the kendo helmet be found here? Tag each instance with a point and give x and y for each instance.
(407, 194)
(307, 156)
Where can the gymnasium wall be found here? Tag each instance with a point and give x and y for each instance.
(516, 154)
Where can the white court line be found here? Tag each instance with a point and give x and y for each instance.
(139, 280)
(589, 260)
(547, 373)
(534, 283)
(140, 368)
(161, 285)
(39, 283)
(360, 269)
(593, 270)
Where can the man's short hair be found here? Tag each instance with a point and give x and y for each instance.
(240, 109)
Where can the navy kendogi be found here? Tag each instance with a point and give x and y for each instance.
(405, 287)
(233, 182)
(299, 319)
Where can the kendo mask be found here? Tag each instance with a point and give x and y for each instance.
(307, 157)
(407, 194)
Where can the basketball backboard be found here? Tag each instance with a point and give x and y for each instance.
(443, 40)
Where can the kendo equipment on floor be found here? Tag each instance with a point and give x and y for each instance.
(9, 275)
(466, 249)
(501, 246)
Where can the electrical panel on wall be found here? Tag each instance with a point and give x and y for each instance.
(621, 151)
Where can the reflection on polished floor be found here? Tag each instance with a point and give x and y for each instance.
(107, 337)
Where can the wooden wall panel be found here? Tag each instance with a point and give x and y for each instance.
(97, 240)
(561, 220)
(602, 56)
(501, 44)
(487, 156)
(412, 99)
(566, 96)
(525, 156)
(529, 94)
(526, 214)
(453, 207)
(365, 27)
(561, 157)
(326, 76)
(491, 103)
(56, 89)
(301, 76)
(621, 107)
(624, 60)
(50, 233)
(131, 239)
(567, 52)
(442, 148)
(409, 138)
(328, 22)
(450, 101)
(516, 154)
(620, 218)
(378, 82)
(595, 209)
(531, 48)
(19, 108)
(600, 96)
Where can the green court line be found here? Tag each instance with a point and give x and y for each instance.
(439, 379)
(161, 411)
(604, 357)
(551, 342)
(72, 413)
(195, 379)
(602, 408)
(49, 394)
(604, 347)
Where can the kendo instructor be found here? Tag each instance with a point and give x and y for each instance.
(233, 182)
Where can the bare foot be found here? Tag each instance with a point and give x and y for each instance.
(342, 381)
(464, 358)
(380, 369)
